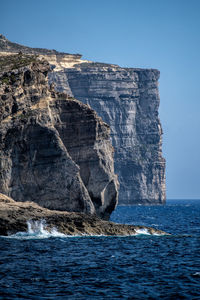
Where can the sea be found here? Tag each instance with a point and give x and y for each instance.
(41, 265)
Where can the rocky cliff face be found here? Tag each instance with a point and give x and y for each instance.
(55, 150)
(128, 100)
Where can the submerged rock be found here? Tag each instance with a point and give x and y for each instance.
(14, 216)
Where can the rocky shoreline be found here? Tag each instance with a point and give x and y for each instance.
(14, 216)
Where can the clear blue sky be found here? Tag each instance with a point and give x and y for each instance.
(162, 34)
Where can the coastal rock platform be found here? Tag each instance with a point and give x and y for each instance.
(15, 215)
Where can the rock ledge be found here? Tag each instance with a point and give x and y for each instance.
(14, 216)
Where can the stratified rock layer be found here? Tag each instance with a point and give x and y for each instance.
(54, 151)
(128, 100)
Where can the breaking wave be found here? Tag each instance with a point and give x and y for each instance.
(142, 231)
(37, 230)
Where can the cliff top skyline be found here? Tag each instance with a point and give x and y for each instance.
(139, 34)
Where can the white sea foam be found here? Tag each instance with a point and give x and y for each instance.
(145, 231)
(159, 234)
(37, 230)
(197, 274)
(142, 231)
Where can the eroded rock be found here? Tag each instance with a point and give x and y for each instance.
(55, 151)
(14, 216)
(128, 100)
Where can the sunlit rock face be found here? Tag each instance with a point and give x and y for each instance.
(55, 150)
(128, 100)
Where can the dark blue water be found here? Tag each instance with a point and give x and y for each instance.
(140, 267)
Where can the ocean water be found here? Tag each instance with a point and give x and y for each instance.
(38, 265)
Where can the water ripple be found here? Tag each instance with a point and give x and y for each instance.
(140, 267)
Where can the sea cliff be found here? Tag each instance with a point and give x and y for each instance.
(128, 100)
(55, 150)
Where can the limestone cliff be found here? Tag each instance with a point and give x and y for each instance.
(128, 100)
(55, 150)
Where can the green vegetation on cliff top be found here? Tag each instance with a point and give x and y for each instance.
(16, 61)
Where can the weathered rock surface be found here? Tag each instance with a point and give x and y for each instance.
(55, 151)
(128, 100)
(14, 216)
